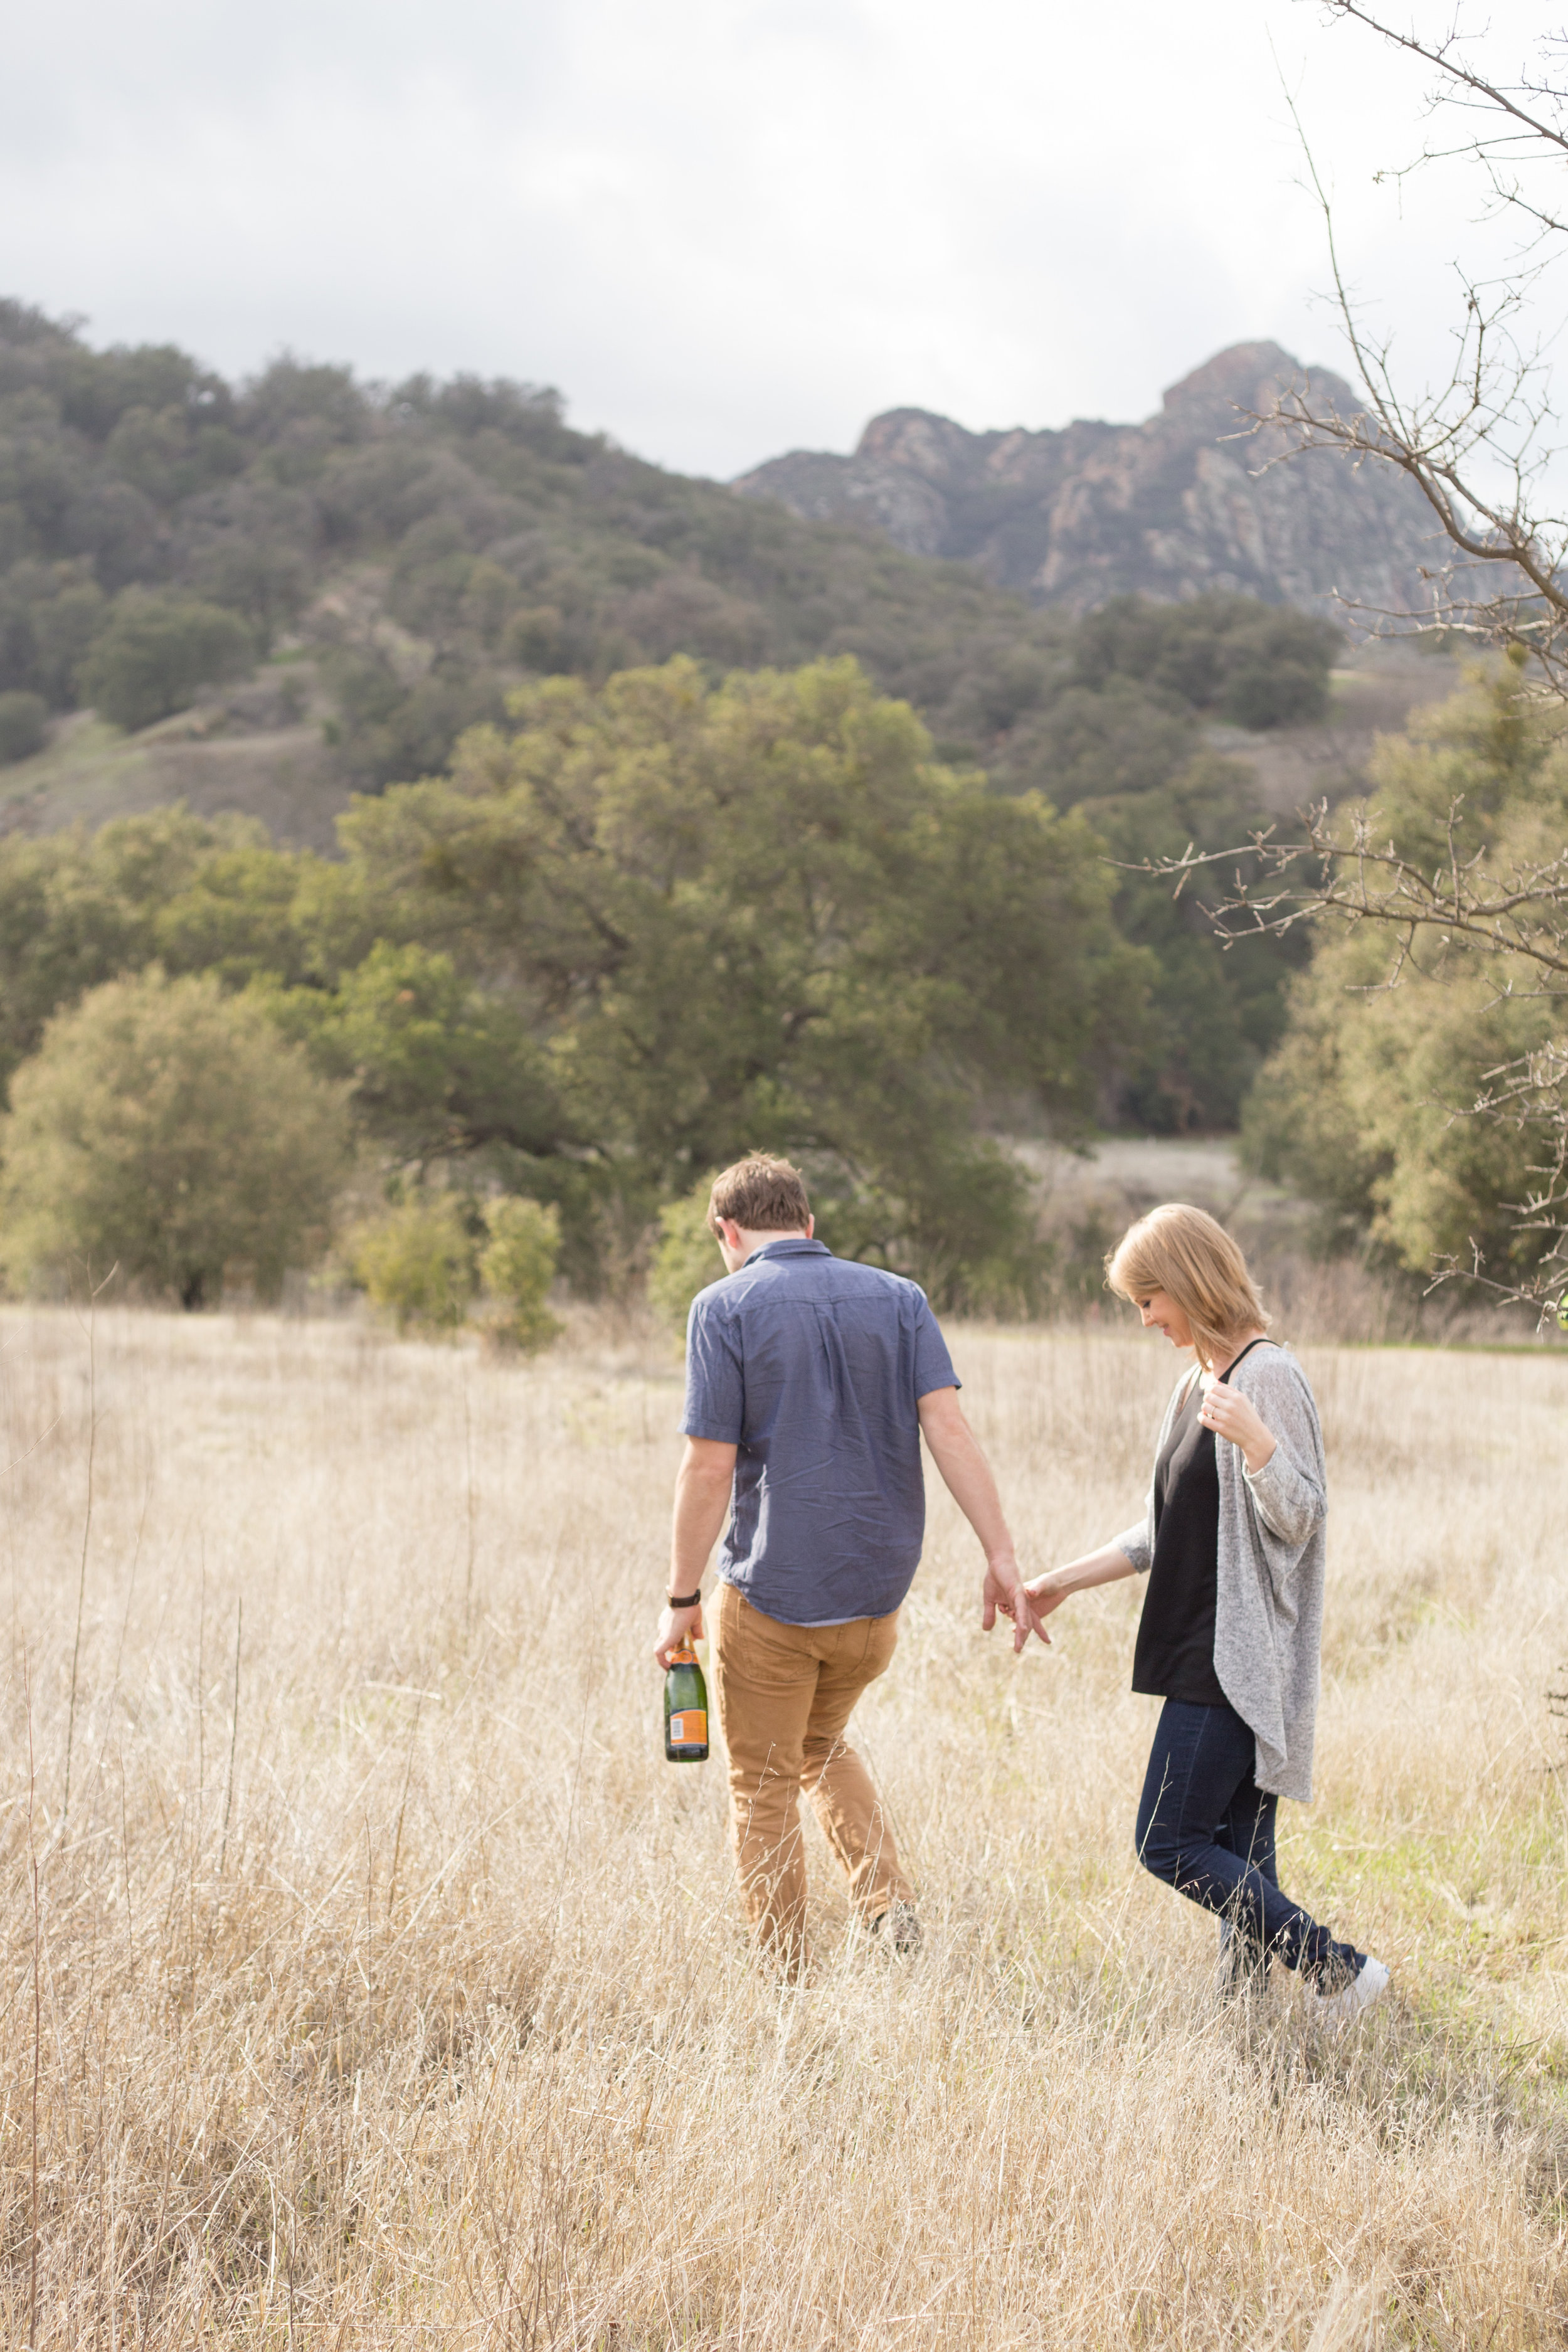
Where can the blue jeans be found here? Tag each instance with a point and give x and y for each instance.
(1206, 1828)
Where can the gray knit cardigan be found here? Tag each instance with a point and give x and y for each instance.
(1268, 1611)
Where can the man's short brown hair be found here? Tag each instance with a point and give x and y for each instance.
(763, 1194)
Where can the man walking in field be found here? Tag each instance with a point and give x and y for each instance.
(809, 1382)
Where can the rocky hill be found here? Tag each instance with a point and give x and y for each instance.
(1170, 508)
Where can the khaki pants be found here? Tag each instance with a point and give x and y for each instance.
(786, 1694)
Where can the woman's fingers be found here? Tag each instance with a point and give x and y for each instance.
(1230, 1416)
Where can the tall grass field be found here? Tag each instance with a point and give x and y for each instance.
(381, 1985)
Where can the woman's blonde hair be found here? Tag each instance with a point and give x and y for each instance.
(1182, 1252)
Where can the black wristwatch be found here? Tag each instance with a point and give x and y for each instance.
(693, 1600)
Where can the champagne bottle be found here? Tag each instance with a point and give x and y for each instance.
(685, 1708)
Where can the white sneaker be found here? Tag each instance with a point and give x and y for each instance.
(1336, 2010)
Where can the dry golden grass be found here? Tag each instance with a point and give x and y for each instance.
(404, 2004)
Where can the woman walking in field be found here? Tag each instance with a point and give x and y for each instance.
(1233, 1546)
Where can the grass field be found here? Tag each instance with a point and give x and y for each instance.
(382, 1986)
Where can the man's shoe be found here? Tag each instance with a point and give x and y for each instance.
(1337, 2010)
(899, 1929)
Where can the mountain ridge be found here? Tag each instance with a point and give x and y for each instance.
(1195, 499)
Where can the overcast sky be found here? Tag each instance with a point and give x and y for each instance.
(726, 228)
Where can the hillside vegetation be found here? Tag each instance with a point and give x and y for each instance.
(364, 572)
(435, 543)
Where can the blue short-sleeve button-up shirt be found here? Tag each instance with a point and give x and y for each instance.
(813, 1366)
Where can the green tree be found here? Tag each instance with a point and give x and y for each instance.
(517, 1266)
(1217, 1012)
(64, 628)
(168, 1127)
(156, 650)
(435, 1068)
(195, 893)
(762, 915)
(1368, 1108)
(49, 614)
(22, 719)
(1374, 1103)
(234, 910)
(1092, 742)
(417, 1261)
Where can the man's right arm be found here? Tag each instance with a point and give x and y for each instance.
(966, 1473)
(703, 1488)
(715, 1403)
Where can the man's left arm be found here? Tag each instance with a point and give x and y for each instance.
(966, 1473)
(703, 1484)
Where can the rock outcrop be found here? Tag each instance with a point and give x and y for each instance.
(1190, 501)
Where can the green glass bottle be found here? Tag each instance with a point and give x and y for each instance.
(685, 1708)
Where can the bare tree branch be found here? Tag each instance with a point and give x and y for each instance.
(1482, 446)
(1445, 57)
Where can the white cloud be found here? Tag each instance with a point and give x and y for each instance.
(724, 227)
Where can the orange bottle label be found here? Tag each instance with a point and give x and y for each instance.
(689, 1729)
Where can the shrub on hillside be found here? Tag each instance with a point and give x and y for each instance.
(49, 614)
(168, 1127)
(517, 1267)
(416, 1260)
(1258, 666)
(156, 651)
(22, 718)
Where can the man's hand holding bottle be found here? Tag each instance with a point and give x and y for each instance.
(678, 1628)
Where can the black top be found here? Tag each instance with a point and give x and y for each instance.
(1174, 1657)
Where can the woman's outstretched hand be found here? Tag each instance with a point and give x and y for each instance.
(1043, 1595)
(1046, 1593)
(1230, 1415)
